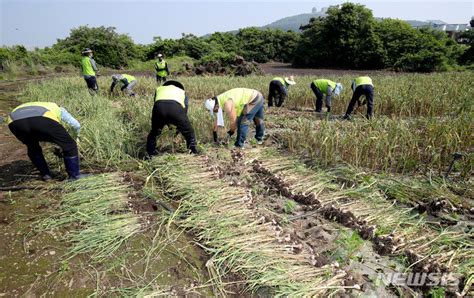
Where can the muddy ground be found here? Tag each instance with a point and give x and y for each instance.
(33, 263)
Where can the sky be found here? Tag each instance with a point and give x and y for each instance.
(39, 23)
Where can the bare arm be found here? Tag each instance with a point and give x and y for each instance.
(229, 108)
(215, 124)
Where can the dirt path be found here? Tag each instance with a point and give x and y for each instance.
(14, 164)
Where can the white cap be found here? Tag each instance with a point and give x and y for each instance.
(210, 104)
(290, 80)
(160, 55)
(338, 89)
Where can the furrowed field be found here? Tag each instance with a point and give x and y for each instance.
(324, 207)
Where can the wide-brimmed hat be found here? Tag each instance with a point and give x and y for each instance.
(290, 80)
(86, 50)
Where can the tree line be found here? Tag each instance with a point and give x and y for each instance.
(349, 37)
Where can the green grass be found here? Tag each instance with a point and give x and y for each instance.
(97, 208)
(415, 129)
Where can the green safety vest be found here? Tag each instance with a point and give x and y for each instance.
(129, 78)
(170, 93)
(161, 68)
(280, 79)
(87, 69)
(323, 84)
(36, 109)
(240, 97)
(363, 81)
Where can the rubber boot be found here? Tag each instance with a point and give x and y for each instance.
(72, 167)
(40, 163)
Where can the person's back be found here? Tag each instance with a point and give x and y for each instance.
(362, 86)
(240, 97)
(170, 108)
(36, 122)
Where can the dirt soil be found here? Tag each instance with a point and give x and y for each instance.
(33, 263)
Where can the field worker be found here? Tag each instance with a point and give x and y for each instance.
(161, 68)
(361, 86)
(278, 90)
(170, 108)
(89, 69)
(242, 105)
(128, 82)
(327, 88)
(36, 122)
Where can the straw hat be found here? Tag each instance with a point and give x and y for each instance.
(290, 80)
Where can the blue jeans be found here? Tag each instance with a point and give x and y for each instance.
(255, 114)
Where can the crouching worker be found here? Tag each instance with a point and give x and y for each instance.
(242, 105)
(128, 82)
(327, 88)
(361, 86)
(170, 108)
(36, 122)
(278, 90)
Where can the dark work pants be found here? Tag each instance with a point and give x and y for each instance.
(92, 83)
(167, 112)
(368, 92)
(31, 131)
(276, 91)
(160, 79)
(319, 98)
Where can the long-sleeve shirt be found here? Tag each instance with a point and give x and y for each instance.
(94, 66)
(69, 119)
(329, 96)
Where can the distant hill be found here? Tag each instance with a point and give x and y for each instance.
(294, 22)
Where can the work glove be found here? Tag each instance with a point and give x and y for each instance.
(230, 133)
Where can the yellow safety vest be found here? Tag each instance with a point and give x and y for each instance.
(323, 84)
(87, 69)
(129, 78)
(161, 68)
(363, 81)
(170, 93)
(240, 97)
(36, 109)
(281, 80)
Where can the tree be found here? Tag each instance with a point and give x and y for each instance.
(110, 48)
(345, 38)
(468, 36)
